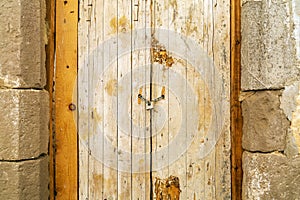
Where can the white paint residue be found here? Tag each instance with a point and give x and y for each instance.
(296, 13)
(260, 184)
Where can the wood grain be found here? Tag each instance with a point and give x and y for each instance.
(102, 116)
(50, 54)
(66, 161)
(236, 112)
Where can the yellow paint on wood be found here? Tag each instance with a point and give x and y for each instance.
(66, 173)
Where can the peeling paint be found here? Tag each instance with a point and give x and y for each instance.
(160, 54)
(167, 189)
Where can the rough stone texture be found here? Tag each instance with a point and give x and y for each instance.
(265, 125)
(268, 47)
(26, 180)
(23, 124)
(290, 104)
(22, 44)
(288, 99)
(270, 176)
(296, 14)
(295, 126)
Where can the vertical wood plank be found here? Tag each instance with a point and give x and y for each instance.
(110, 131)
(124, 99)
(95, 99)
(66, 172)
(198, 177)
(236, 112)
(209, 161)
(196, 28)
(140, 116)
(83, 100)
(177, 95)
(222, 62)
(160, 79)
(50, 54)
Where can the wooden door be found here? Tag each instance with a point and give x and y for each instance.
(153, 95)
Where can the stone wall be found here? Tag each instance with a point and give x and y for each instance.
(271, 99)
(24, 103)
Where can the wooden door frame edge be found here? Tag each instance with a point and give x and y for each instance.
(50, 55)
(65, 170)
(235, 105)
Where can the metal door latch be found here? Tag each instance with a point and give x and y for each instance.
(149, 103)
(136, 8)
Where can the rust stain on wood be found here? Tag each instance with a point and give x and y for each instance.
(120, 25)
(173, 4)
(96, 116)
(167, 189)
(190, 27)
(97, 181)
(111, 87)
(160, 54)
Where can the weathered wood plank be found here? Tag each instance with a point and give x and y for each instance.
(209, 164)
(160, 80)
(50, 54)
(222, 62)
(179, 147)
(66, 71)
(83, 100)
(125, 98)
(110, 77)
(235, 111)
(95, 167)
(140, 117)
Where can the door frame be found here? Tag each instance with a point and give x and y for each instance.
(62, 17)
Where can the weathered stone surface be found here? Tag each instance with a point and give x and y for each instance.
(290, 104)
(295, 126)
(264, 124)
(296, 22)
(23, 124)
(26, 180)
(268, 47)
(22, 44)
(270, 176)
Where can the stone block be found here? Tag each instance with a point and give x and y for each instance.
(22, 44)
(270, 176)
(268, 50)
(265, 126)
(26, 180)
(24, 125)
